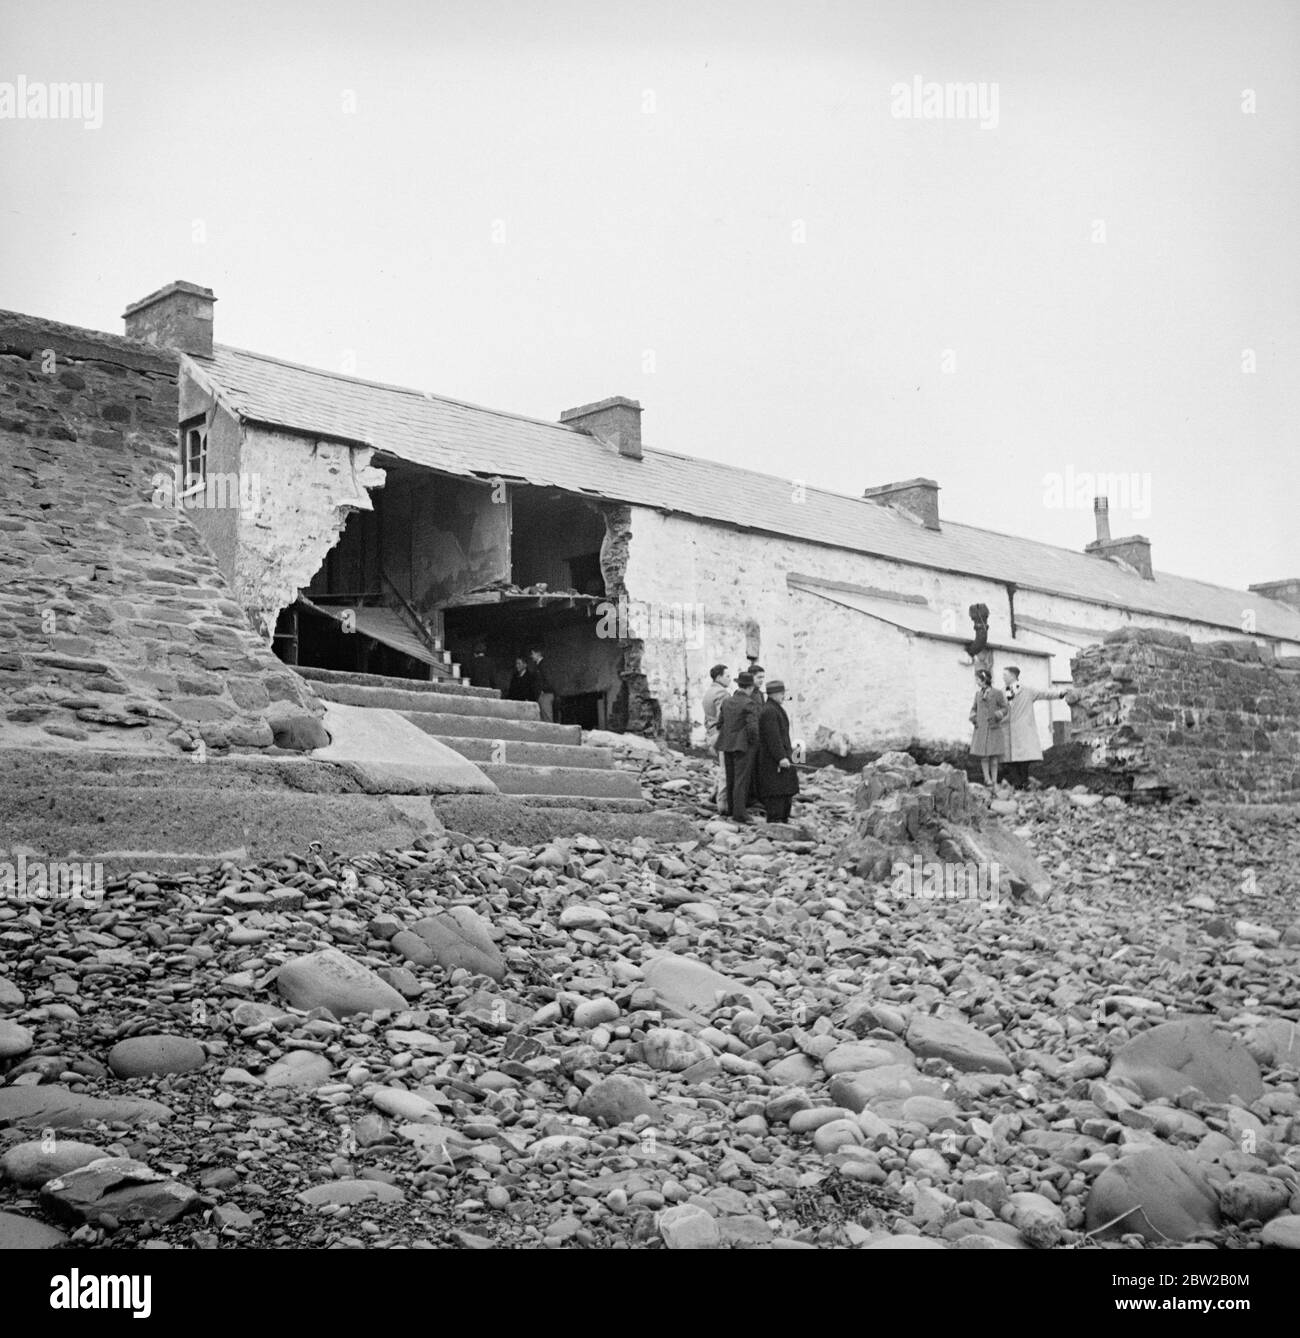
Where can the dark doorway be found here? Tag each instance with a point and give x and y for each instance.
(582, 708)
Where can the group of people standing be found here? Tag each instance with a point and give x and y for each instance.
(747, 727)
(531, 682)
(1005, 730)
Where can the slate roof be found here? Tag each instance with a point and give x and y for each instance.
(467, 440)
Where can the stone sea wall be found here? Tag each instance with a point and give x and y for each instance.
(117, 628)
(1219, 719)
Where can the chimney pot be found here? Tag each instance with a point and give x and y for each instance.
(178, 317)
(616, 421)
(1101, 510)
(919, 498)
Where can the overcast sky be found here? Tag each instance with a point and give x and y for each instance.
(723, 211)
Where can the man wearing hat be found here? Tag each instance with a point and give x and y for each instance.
(738, 743)
(778, 781)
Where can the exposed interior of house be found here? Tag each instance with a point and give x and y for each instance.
(447, 577)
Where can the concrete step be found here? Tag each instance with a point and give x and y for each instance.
(443, 726)
(519, 780)
(518, 753)
(443, 686)
(589, 803)
(128, 827)
(418, 699)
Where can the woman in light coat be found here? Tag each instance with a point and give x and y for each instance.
(1022, 726)
(988, 714)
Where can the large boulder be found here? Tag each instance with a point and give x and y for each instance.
(1039, 1220)
(885, 1089)
(617, 1100)
(460, 937)
(26, 1233)
(1251, 1197)
(299, 733)
(1275, 1043)
(350, 1191)
(673, 1051)
(855, 1056)
(14, 1040)
(299, 1068)
(331, 979)
(687, 986)
(1157, 1193)
(1173, 1056)
(958, 1043)
(148, 1056)
(29, 1165)
(52, 1106)
(1283, 1233)
(687, 1226)
(118, 1187)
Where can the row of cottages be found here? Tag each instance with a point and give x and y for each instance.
(375, 528)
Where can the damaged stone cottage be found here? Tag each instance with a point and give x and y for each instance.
(231, 540)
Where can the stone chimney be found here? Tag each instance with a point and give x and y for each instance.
(1285, 592)
(616, 421)
(1101, 511)
(178, 317)
(918, 498)
(1133, 551)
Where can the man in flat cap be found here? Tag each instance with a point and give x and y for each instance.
(778, 781)
(738, 742)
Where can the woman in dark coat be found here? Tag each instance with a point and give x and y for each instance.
(988, 714)
(778, 781)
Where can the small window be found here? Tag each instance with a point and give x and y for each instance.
(193, 463)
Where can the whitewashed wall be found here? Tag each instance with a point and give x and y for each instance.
(307, 489)
(846, 672)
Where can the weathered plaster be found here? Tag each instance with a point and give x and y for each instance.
(308, 490)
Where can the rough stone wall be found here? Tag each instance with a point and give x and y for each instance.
(1219, 719)
(117, 628)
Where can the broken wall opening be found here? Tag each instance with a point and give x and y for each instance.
(635, 709)
(427, 538)
(555, 540)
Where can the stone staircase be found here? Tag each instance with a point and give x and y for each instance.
(527, 758)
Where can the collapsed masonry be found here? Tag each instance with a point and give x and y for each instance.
(909, 816)
(1218, 719)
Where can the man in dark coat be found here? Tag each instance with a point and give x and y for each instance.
(523, 682)
(482, 672)
(545, 688)
(760, 678)
(778, 781)
(738, 743)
